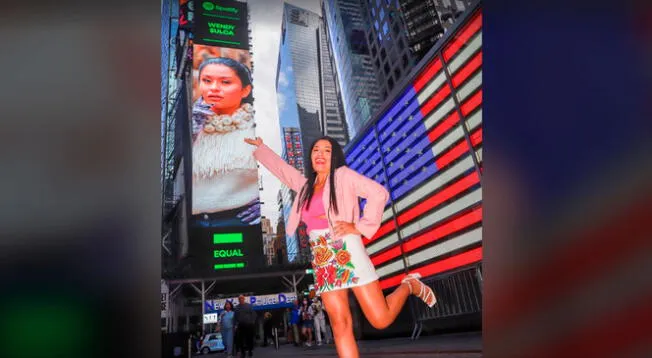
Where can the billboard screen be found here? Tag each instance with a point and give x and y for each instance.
(426, 149)
(222, 23)
(225, 233)
(225, 174)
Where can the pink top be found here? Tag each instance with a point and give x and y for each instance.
(315, 217)
(349, 186)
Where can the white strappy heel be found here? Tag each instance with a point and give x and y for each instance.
(425, 292)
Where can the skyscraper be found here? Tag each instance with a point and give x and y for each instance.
(428, 20)
(293, 155)
(333, 122)
(386, 36)
(268, 240)
(400, 33)
(357, 79)
(308, 95)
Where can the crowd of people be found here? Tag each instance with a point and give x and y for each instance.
(308, 323)
(305, 324)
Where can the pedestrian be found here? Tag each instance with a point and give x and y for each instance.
(328, 202)
(245, 325)
(320, 320)
(226, 328)
(307, 323)
(295, 321)
(267, 328)
(288, 331)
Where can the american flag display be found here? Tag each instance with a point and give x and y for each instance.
(426, 149)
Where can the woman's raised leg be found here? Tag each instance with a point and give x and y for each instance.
(337, 307)
(381, 311)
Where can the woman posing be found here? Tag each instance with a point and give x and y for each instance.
(327, 202)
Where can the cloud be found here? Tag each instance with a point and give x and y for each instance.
(280, 99)
(283, 80)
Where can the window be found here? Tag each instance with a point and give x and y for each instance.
(385, 28)
(390, 83)
(386, 68)
(377, 63)
(405, 60)
(383, 54)
(397, 72)
(401, 44)
(382, 14)
(374, 50)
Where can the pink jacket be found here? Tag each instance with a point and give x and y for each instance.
(349, 185)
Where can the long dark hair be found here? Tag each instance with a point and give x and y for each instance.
(240, 69)
(228, 303)
(308, 190)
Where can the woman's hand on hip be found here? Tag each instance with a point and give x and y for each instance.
(344, 228)
(256, 141)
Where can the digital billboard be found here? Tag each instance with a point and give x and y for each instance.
(222, 23)
(225, 230)
(225, 174)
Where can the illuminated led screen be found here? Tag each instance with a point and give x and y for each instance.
(429, 147)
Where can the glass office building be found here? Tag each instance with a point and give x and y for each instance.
(305, 82)
(357, 79)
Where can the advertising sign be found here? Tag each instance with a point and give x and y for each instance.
(225, 229)
(222, 23)
(164, 299)
(261, 302)
(227, 251)
(225, 173)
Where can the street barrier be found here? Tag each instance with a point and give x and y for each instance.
(458, 293)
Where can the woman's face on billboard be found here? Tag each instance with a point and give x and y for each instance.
(221, 87)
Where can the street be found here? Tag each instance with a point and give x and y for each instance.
(459, 345)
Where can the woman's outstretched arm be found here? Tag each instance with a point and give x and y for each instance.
(286, 173)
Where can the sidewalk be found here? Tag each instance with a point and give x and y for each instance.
(459, 345)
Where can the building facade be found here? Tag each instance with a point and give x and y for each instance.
(386, 37)
(400, 33)
(333, 121)
(309, 98)
(268, 240)
(427, 21)
(355, 72)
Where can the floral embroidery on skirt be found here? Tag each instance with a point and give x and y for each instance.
(332, 264)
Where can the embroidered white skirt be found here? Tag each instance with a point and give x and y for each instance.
(339, 264)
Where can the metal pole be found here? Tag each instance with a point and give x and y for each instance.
(458, 109)
(276, 337)
(294, 285)
(478, 273)
(203, 305)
